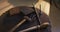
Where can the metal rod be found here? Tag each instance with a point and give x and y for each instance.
(44, 25)
(15, 27)
(31, 28)
(20, 23)
(37, 13)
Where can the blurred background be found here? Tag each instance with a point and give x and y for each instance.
(51, 10)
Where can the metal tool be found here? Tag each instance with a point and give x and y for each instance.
(20, 23)
(34, 27)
